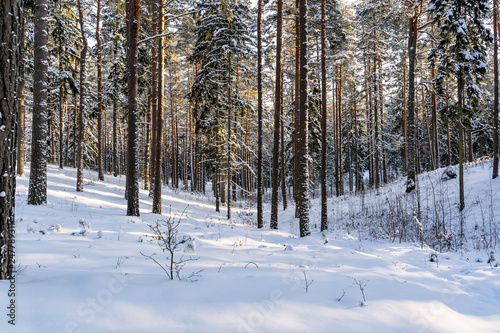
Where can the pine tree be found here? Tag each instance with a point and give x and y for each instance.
(21, 145)
(81, 111)
(37, 192)
(277, 119)
(416, 9)
(158, 114)
(260, 190)
(302, 173)
(324, 205)
(133, 15)
(495, 91)
(100, 143)
(10, 37)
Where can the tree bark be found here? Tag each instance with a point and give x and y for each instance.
(158, 115)
(434, 126)
(324, 206)
(154, 109)
(37, 192)
(228, 157)
(282, 137)
(495, 88)
(303, 205)
(100, 143)
(133, 15)
(296, 103)
(147, 143)
(10, 32)
(277, 119)
(81, 113)
(260, 220)
(412, 47)
(21, 145)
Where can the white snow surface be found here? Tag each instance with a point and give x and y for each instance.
(99, 282)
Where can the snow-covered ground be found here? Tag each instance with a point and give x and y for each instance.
(251, 280)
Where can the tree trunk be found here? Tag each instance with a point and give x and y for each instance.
(302, 133)
(296, 103)
(283, 167)
(11, 38)
(147, 143)
(228, 157)
(37, 192)
(81, 113)
(404, 117)
(157, 144)
(324, 206)
(339, 132)
(51, 122)
(115, 138)
(260, 220)
(470, 146)
(75, 129)
(434, 125)
(100, 143)
(412, 47)
(460, 91)
(133, 14)
(495, 88)
(277, 119)
(216, 183)
(154, 110)
(21, 145)
(61, 121)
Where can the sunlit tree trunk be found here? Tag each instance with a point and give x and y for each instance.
(158, 115)
(100, 143)
(37, 192)
(277, 120)
(302, 131)
(21, 143)
(81, 111)
(260, 220)
(133, 14)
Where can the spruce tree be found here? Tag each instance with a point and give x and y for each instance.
(223, 41)
(461, 53)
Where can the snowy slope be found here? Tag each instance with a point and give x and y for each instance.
(252, 280)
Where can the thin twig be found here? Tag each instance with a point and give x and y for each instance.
(251, 262)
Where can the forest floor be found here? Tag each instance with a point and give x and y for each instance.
(80, 268)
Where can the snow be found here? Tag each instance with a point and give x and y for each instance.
(252, 280)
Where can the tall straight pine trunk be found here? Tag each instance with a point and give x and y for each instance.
(10, 36)
(324, 207)
(133, 15)
(411, 155)
(37, 192)
(21, 82)
(100, 143)
(303, 205)
(158, 116)
(277, 119)
(260, 190)
(81, 111)
(495, 88)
